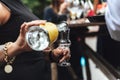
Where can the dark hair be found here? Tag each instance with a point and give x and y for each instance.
(56, 5)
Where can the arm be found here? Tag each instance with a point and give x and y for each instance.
(4, 16)
(13, 50)
(112, 17)
(95, 3)
(63, 8)
(20, 44)
(4, 13)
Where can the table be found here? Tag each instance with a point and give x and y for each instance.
(85, 24)
(82, 23)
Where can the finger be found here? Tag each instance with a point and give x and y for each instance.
(23, 30)
(66, 51)
(62, 59)
(67, 57)
(58, 52)
(36, 23)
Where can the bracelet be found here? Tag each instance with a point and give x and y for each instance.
(8, 67)
(5, 49)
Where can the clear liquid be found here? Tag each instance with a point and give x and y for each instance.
(64, 37)
(67, 45)
(37, 38)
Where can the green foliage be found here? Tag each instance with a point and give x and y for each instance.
(31, 3)
(37, 6)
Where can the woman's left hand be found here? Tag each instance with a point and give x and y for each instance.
(63, 53)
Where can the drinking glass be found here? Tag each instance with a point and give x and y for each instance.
(64, 42)
(65, 63)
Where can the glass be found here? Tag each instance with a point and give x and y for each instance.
(75, 10)
(64, 42)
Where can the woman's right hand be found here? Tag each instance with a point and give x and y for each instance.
(21, 42)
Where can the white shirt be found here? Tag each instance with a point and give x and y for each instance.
(112, 16)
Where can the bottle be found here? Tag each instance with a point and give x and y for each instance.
(41, 37)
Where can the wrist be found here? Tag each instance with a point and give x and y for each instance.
(52, 58)
(7, 52)
(13, 50)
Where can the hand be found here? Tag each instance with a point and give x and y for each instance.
(64, 53)
(63, 8)
(21, 42)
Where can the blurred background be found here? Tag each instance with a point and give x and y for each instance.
(100, 63)
(37, 6)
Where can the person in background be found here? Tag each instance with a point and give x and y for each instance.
(112, 17)
(17, 60)
(56, 11)
(107, 47)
